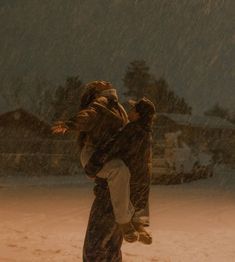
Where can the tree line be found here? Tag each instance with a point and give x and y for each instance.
(138, 81)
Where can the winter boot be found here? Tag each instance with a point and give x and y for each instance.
(144, 236)
(129, 232)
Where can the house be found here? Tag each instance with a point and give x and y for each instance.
(22, 124)
(212, 132)
(192, 126)
(28, 145)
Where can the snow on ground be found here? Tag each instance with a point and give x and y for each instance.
(44, 220)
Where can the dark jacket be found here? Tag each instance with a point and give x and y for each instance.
(133, 145)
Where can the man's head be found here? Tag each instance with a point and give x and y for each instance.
(142, 108)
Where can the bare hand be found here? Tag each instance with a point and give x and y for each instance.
(59, 127)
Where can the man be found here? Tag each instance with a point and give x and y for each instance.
(132, 144)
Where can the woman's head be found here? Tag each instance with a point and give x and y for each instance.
(96, 89)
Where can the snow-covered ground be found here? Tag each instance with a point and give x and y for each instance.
(44, 220)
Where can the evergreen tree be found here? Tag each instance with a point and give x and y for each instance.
(139, 82)
(165, 99)
(137, 79)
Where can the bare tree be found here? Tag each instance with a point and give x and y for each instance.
(66, 98)
(33, 95)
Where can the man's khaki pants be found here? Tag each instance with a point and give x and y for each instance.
(118, 178)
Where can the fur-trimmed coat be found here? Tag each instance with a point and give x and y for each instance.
(99, 121)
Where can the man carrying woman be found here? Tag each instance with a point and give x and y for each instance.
(111, 216)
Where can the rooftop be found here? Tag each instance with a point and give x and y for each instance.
(199, 121)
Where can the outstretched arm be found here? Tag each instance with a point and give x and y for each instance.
(82, 122)
(59, 127)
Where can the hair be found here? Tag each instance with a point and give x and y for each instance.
(88, 96)
(146, 121)
(91, 90)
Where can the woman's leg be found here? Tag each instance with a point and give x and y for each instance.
(118, 177)
(103, 238)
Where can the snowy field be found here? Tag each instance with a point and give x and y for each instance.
(44, 219)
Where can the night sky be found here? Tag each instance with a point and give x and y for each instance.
(189, 42)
